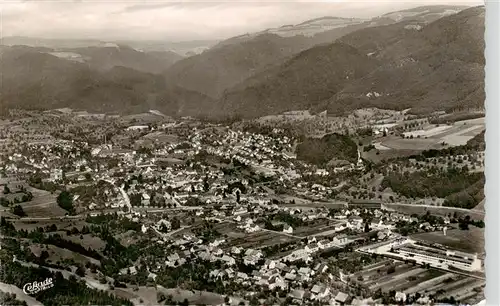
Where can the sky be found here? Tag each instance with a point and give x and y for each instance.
(177, 21)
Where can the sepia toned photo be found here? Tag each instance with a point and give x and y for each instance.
(242, 153)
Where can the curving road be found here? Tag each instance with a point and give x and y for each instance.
(125, 198)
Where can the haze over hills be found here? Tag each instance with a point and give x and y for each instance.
(184, 48)
(396, 67)
(300, 83)
(40, 80)
(411, 58)
(107, 56)
(328, 27)
(233, 60)
(103, 58)
(443, 62)
(220, 68)
(314, 26)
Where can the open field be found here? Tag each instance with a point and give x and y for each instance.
(31, 225)
(395, 275)
(429, 132)
(194, 297)
(141, 118)
(477, 121)
(431, 137)
(398, 143)
(43, 211)
(20, 295)
(143, 295)
(312, 205)
(88, 241)
(461, 137)
(480, 206)
(44, 204)
(434, 210)
(162, 137)
(289, 198)
(471, 240)
(317, 227)
(61, 225)
(379, 155)
(59, 254)
(128, 238)
(381, 147)
(261, 239)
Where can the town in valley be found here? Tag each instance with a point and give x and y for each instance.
(153, 210)
(202, 153)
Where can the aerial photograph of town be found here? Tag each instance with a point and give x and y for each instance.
(333, 156)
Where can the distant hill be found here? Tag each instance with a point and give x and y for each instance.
(182, 47)
(327, 29)
(38, 80)
(50, 43)
(440, 67)
(233, 60)
(426, 59)
(104, 58)
(217, 69)
(302, 82)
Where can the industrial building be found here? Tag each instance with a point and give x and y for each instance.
(421, 253)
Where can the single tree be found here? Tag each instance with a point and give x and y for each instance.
(18, 210)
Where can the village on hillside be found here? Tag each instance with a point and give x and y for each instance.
(147, 209)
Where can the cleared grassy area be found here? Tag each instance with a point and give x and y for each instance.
(260, 240)
(434, 210)
(44, 204)
(59, 254)
(31, 225)
(471, 240)
(429, 132)
(52, 210)
(432, 136)
(480, 206)
(411, 144)
(20, 295)
(194, 297)
(319, 226)
(88, 241)
(378, 155)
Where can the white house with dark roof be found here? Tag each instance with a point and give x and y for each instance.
(290, 276)
(340, 240)
(400, 297)
(312, 248)
(270, 264)
(342, 298)
(288, 229)
(298, 295)
(321, 268)
(228, 260)
(320, 292)
(236, 250)
(306, 271)
(277, 281)
(324, 244)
